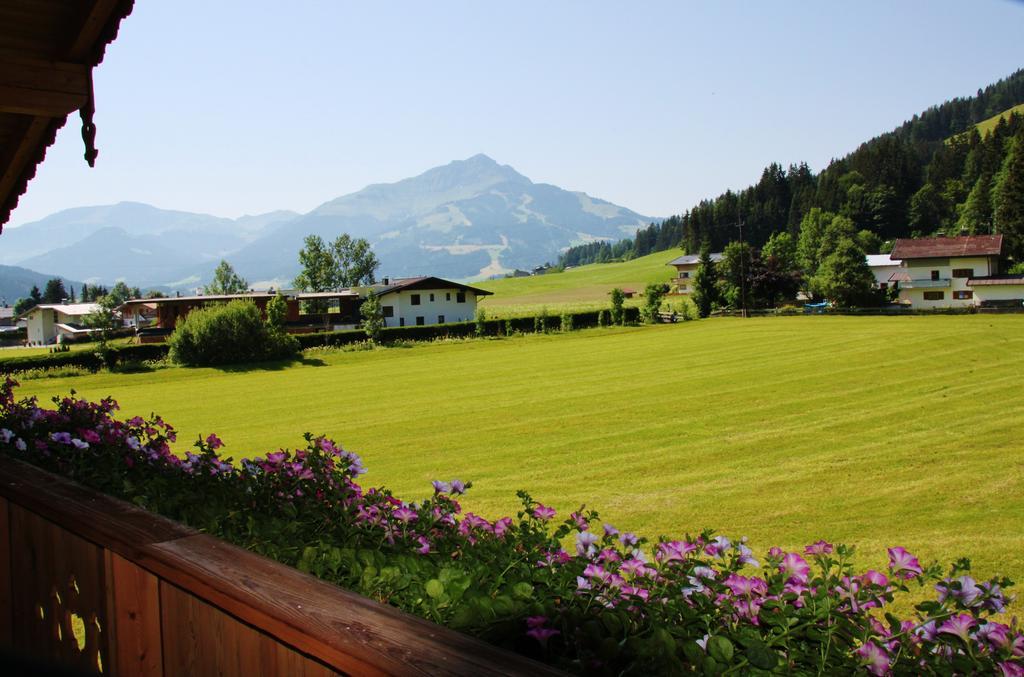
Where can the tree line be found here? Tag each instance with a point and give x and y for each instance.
(934, 174)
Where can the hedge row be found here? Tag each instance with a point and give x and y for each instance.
(85, 359)
(492, 327)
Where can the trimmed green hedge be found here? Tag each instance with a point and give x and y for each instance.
(492, 327)
(85, 359)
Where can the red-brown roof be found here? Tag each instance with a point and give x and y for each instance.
(48, 49)
(942, 247)
(996, 280)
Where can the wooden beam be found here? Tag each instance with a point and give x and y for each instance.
(22, 153)
(45, 88)
(92, 25)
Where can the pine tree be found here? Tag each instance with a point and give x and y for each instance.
(705, 282)
(976, 212)
(1008, 200)
(54, 291)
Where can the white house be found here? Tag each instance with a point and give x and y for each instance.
(426, 300)
(686, 266)
(951, 272)
(882, 267)
(46, 323)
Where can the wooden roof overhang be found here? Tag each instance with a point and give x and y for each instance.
(48, 49)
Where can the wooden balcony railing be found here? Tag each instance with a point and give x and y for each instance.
(102, 586)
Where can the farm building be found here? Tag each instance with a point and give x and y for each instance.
(426, 300)
(49, 323)
(686, 267)
(951, 272)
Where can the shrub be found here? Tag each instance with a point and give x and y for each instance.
(615, 604)
(373, 317)
(653, 295)
(566, 322)
(618, 299)
(481, 322)
(226, 334)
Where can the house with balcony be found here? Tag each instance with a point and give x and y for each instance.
(426, 300)
(49, 323)
(882, 266)
(954, 272)
(686, 267)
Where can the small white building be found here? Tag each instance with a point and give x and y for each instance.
(686, 267)
(882, 266)
(954, 272)
(46, 323)
(426, 300)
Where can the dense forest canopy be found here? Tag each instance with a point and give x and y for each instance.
(933, 174)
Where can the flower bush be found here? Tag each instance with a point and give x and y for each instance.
(574, 592)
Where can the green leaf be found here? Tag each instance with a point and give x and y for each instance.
(721, 649)
(710, 666)
(760, 656)
(435, 588)
(522, 590)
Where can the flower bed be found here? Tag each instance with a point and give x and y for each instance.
(614, 603)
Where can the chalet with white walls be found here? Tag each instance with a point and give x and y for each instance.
(882, 266)
(49, 323)
(686, 267)
(952, 272)
(426, 300)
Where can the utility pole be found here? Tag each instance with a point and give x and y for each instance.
(743, 275)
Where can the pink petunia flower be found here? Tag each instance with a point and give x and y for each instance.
(873, 658)
(819, 548)
(903, 564)
(543, 512)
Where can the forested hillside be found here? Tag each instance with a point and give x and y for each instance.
(934, 173)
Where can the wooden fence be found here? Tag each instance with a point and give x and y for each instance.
(102, 586)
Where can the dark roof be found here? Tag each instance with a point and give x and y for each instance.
(690, 259)
(428, 282)
(942, 247)
(993, 280)
(48, 49)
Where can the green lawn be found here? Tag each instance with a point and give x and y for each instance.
(582, 288)
(27, 351)
(872, 431)
(986, 126)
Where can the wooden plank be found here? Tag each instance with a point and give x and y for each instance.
(60, 593)
(40, 74)
(134, 613)
(114, 524)
(6, 618)
(200, 639)
(348, 632)
(25, 101)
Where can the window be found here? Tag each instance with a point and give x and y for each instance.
(388, 311)
(440, 319)
(431, 298)
(883, 285)
(419, 321)
(448, 296)
(416, 298)
(460, 297)
(685, 274)
(963, 295)
(934, 295)
(401, 322)
(935, 274)
(963, 272)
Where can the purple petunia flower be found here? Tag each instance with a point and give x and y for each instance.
(795, 568)
(585, 544)
(873, 658)
(819, 548)
(903, 564)
(959, 625)
(1011, 669)
(502, 526)
(79, 444)
(213, 441)
(441, 487)
(609, 530)
(872, 577)
(424, 548)
(543, 512)
(405, 514)
(458, 487)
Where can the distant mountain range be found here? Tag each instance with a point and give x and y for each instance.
(468, 219)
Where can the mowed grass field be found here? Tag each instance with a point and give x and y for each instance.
(582, 288)
(870, 431)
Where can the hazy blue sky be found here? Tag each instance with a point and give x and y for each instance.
(233, 107)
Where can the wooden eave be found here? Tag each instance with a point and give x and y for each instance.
(48, 49)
